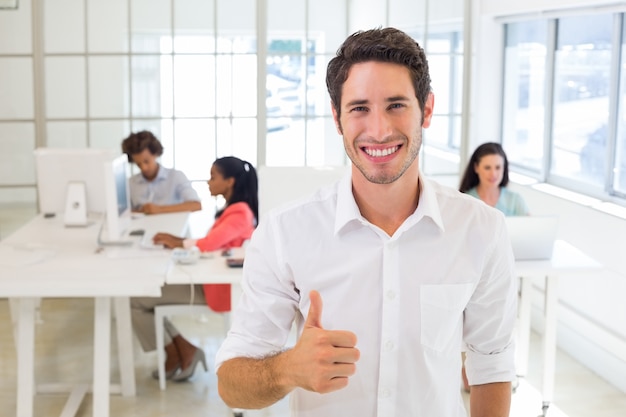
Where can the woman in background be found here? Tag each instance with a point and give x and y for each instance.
(487, 176)
(236, 180)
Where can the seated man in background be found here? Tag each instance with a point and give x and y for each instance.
(156, 189)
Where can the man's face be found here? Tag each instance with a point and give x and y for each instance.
(147, 164)
(381, 121)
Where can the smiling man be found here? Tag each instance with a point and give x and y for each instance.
(386, 274)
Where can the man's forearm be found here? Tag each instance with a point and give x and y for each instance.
(251, 383)
(490, 400)
(184, 206)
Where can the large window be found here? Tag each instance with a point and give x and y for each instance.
(561, 116)
(172, 67)
(445, 62)
(208, 77)
(524, 97)
(582, 67)
(619, 166)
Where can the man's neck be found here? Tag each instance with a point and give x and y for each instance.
(156, 174)
(387, 205)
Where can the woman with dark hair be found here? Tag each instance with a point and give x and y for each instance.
(487, 176)
(236, 180)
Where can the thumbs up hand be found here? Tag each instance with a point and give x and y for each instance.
(322, 360)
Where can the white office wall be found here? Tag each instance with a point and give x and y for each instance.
(486, 85)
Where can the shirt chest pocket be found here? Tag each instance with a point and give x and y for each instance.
(442, 314)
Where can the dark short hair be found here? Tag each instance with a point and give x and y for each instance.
(137, 142)
(470, 178)
(383, 45)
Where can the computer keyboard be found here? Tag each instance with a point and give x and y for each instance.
(147, 243)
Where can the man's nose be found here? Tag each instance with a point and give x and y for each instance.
(380, 125)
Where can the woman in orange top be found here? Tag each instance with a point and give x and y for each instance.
(236, 180)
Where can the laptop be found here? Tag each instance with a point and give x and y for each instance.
(532, 237)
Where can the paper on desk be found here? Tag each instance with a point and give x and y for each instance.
(23, 255)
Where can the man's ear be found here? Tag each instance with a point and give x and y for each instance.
(429, 107)
(336, 118)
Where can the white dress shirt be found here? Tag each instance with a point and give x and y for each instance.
(169, 187)
(442, 281)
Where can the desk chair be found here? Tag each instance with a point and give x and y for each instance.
(160, 312)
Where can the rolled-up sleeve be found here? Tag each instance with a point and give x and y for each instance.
(490, 316)
(266, 310)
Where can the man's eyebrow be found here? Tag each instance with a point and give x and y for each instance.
(358, 102)
(397, 98)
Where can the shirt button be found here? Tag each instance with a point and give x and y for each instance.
(385, 393)
(389, 345)
(391, 294)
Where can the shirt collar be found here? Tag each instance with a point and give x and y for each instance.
(348, 217)
(162, 174)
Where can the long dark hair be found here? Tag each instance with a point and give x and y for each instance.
(246, 186)
(470, 178)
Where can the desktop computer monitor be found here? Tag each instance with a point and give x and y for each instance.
(59, 170)
(84, 185)
(117, 197)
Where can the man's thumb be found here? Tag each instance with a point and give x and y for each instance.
(314, 318)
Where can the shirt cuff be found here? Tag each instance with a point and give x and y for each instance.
(189, 243)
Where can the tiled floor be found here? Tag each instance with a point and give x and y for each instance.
(64, 353)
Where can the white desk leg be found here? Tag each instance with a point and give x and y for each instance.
(523, 325)
(14, 310)
(125, 345)
(101, 357)
(549, 338)
(25, 357)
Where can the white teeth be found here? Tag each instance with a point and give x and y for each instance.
(381, 152)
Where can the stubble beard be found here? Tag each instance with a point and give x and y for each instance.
(385, 177)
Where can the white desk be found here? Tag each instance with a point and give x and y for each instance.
(44, 259)
(208, 270)
(565, 259)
